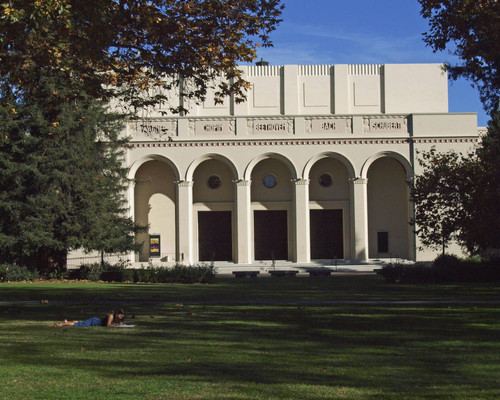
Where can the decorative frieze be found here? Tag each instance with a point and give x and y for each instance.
(270, 126)
(315, 70)
(298, 142)
(211, 127)
(365, 69)
(466, 140)
(154, 130)
(385, 125)
(328, 125)
(265, 70)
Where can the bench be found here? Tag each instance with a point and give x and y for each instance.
(246, 274)
(320, 272)
(283, 273)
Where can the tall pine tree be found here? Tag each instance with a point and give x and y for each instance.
(62, 178)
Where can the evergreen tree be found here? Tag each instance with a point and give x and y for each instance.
(62, 180)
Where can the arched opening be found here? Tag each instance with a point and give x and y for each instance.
(329, 197)
(155, 206)
(388, 210)
(213, 207)
(271, 197)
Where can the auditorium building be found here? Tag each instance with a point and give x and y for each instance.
(313, 166)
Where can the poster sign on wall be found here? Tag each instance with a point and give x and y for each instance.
(154, 246)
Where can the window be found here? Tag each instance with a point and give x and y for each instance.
(269, 181)
(325, 180)
(214, 182)
(383, 242)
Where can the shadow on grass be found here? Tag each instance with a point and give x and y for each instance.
(359, 288)
(363, 347)
(431, 349)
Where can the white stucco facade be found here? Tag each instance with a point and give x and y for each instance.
(314, 165)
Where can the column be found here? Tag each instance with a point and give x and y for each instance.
(131, 213)
(185, 221)
(359, 219)
(302, 238)
(243, 222)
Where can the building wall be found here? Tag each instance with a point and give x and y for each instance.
(361, 125)
(329, 89)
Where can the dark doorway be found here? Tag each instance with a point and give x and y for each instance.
(271, 235)
(383, 242)
(327, 239)
(214, 236)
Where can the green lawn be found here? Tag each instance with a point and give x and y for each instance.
(253, 339)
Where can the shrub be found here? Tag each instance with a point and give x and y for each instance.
(16, 273)
(391, 273)
(201, 273)
(117, 274)
(407, 273)
(144, 274)
(91, 272)
(445, 269)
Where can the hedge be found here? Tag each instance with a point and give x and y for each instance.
(445, 269)
(16, 273)
(201, 273)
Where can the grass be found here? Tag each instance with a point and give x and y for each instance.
(251, 340)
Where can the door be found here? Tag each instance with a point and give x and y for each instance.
(271, 235)
(327, 239)
(214, 236)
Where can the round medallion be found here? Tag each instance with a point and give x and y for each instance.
(325, 180)
(214, 182)
(270, 181)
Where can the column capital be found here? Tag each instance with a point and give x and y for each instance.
(242, 182)
(358, 180)
(184, 183)
(300, 181)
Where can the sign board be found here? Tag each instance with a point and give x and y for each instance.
(154, 246)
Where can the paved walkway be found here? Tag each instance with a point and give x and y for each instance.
(226, 269)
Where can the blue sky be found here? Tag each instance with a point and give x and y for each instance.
(362, 32)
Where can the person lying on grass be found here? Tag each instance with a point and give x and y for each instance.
(110, 320)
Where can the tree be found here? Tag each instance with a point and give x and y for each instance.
(62, 177)
(436, 193)
(472, 29)
(467, 187)
(136, 49)
(483, 234)
(456, 198)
